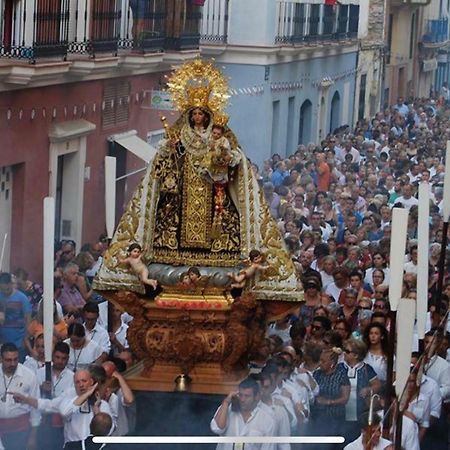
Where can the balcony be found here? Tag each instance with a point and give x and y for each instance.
(65, 30)
(436, 34)
(214, 24)
(310, 24)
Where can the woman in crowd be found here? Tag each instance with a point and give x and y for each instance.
(376, 339)
(84, 261)
(118, 333)
(312, 299)
(334, 392)
(377, 279)
(378, 262)
(350, 309)
(82, 351)
(363, 382)
(343, 328)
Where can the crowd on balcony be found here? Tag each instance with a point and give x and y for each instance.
(321, 364)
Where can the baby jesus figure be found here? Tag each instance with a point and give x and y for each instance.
(256, 260)
(218, 159)
(134, 260)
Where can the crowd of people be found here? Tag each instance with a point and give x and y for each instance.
(87, 394)
(323, 363)
(320, 366)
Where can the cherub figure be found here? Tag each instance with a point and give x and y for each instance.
(134, 260)
(185, 280)
(256, 260)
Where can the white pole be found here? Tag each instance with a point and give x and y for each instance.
(397, 255)
(405, 327)
(110, 194)
(49, 242)
(5, 237)
(446, 203)
(423, 232)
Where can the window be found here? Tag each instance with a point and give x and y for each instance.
(116, 101)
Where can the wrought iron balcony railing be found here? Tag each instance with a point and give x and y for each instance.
(214, 25)
(32, 29)
(304, 22)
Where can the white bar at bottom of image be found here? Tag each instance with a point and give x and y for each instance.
(218, 440)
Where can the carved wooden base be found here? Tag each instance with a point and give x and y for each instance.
(211, 346)
(205, 379)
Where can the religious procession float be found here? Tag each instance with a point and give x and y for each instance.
(196, 258)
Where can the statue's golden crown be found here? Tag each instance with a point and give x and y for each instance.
(198, 97)
(198, 84)
(221, 119)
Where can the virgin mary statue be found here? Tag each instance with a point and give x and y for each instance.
(199, 203)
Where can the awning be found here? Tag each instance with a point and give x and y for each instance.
(133, 143)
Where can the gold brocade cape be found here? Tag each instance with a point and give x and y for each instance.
(170, 216)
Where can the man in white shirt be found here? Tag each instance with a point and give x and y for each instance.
(406, 199)
(278, 413)
(94, 331)
(377, 442)
(437, 368)
(18, 422)
(241, 415)
(51, 431)
(77, 406)
(349, 150)
(411, 266)
(430, 389)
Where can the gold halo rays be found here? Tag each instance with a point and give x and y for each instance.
(198, 84)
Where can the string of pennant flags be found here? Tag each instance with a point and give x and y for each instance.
(71, 111)
(84, 109)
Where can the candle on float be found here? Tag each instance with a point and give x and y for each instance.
(423, 230)
(397, 255)
(48, 274)
(110, 195)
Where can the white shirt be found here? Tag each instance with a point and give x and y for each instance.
(430, 389)
(99, 335)
(410, 267)
(95, 268)
(33, 364)
(439, 369)
(326, 279)
(410, 434)
(420, 407)
(121, 335)
(306, 378)
(118, 405)
(281, 419)
(23, 381)
(61, 383)
(378, 363)
(407, 203)
(282, 333)
(81, 358)
(260, 423)
(354, 152)
(288, 405)
(76, 422)
(369, 280)
(358, 444)
(333, 291)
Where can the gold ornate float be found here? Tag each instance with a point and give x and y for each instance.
(184, 217)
